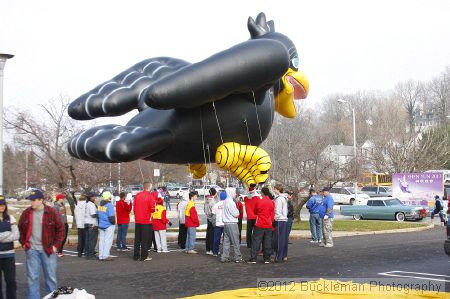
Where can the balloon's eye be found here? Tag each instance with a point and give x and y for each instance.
(295, 62)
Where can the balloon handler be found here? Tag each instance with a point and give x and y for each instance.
(222, 106)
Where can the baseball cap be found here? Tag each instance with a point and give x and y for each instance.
(2, 200)
(325, 189)
(106, 195)
(36, 194)
(223, 195)
(60, 196)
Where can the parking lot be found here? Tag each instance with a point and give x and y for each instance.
(175, 274)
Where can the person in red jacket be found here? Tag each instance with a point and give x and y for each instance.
(265, 212)
(123, 210)
(250, 202)
(159, 220)
(191, 222)
(41, 233)
(144, 206)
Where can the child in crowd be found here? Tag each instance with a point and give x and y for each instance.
(159, 225)
(191, 222)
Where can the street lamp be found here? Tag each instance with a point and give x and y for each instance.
(354, 142)
(3, 58)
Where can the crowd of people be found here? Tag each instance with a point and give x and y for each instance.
(42, 230)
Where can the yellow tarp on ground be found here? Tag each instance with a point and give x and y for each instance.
(335, 289)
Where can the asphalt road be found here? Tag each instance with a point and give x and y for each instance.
(176, 274)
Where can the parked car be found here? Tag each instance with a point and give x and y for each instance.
(133, 189)
(204, 190)
(385, 208)
(177, 191)
(377, 191)
(346, 195)
(244, 194)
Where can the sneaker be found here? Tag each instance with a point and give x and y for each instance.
(60, 255)
(251, 262)
(192, 251)
(165, 251)
(118, 249)
(321, 244)
(285, 259)
(159, 251)
(328, 245)
(312, 241)
(266, 262)
(239, 261)
(224, 260)
(126, 249)
(215, 255)
(147, 259)
(209, 252)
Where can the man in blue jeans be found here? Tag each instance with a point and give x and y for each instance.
(327, 216)
(315, 222)
(41, 233)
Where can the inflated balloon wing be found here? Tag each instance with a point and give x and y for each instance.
(222, 105)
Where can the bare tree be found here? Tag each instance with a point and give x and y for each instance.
(46, 135)
(439, 92)
(410, 93)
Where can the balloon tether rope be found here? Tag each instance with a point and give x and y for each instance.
(257, 116)
(248, 134)
(217, 119)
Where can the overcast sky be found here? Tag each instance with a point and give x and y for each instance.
(69, 47)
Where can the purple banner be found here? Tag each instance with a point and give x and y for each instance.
(417, 189)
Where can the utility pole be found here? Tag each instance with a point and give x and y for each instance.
(3, 58)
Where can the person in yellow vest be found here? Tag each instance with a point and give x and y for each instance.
(191, 222)
(159, 220)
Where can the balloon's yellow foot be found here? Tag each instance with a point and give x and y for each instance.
(248, 163)
(198, 170)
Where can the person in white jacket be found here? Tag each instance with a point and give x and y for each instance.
(80, 210)
(230, 227)
(9, 232)
(217, 212)
(281, 231)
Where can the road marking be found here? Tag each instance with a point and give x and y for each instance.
(417, 275)
(75, 253)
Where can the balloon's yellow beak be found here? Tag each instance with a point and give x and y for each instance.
(296, 87)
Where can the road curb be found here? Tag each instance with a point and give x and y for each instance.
(338, 234)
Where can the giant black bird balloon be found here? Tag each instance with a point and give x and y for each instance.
(222, 106)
